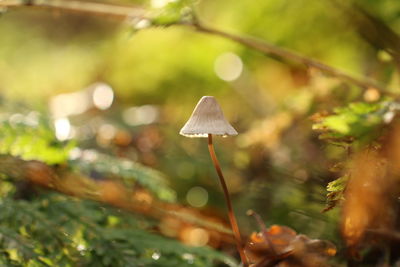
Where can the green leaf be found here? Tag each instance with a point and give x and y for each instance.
(32, 140)
(336, 190)
(338, 185)
(358, 122)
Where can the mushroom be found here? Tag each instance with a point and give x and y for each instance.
(208, 119)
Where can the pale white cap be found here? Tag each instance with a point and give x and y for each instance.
(207, 118)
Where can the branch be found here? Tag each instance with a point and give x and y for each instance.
(91, 8)
(287, 55)
(127, 12)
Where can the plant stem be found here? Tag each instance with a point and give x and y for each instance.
(264, 231)
(231, 215)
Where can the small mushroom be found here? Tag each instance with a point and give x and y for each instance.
(208, 119)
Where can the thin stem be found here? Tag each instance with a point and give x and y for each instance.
(231, 215)
(264, 231)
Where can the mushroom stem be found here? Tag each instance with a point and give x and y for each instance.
(232, 218)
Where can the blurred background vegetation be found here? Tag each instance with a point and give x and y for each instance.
(99, 100)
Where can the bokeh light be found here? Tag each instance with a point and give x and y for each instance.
(228, 66)
(64, 105)
(105, 134)
(103, 96)
(141, 24)
(156, 255)
(63, 129)
(141, 115)
(197, 197)
(371, 95)
(195, 236)
(160, 3)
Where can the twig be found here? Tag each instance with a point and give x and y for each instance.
(264, 231)
(287, 55)
(92, 8)
(126, 12)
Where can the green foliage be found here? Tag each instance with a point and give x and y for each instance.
(31, 137)
(336, 191)
(54, 230)
(337, 185)
(356, 123)
(130, 172)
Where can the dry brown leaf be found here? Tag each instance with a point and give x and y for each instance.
(282, 246)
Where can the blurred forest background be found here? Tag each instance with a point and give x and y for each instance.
(94, 172)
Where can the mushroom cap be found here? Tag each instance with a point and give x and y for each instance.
(207, 118)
